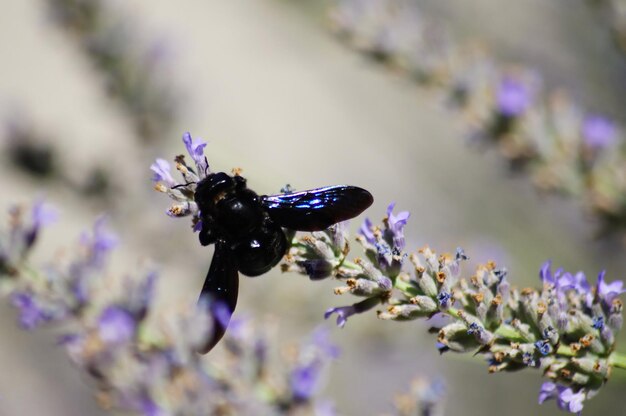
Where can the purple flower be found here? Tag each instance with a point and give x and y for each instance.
(598, 132)
(444, 299)
(148, 407)
(195, 148)
(559, 280)
(162, 172)
(512, 97)
(608, 292)
(41, 215)
(344, 312)
(579, 283)
(116, 325)
(100, 243)
(543, 347)
(566, 398)
(31, 315)
(321, 341)
(366, 231)
(396, 225)
(305, 379)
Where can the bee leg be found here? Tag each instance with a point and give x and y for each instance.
(220, 290)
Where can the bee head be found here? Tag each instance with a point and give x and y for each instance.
(212, 189)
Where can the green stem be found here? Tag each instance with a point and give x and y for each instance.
(618, 360)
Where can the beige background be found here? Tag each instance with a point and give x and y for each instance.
(275, 94)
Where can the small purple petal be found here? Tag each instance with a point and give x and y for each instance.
(162, 172)
(43, 214)
(197, 226)
(570, 401)
(321, 340)
(195, 148)
(31, 315)
(396, 225)
(116, 325)
(366, 231)
(100, 243)
(598, 132)
(512, 97)
(304, 380)
(608, 292)
(148, 407)
(343, 313)
(566, 398)
(548, 391)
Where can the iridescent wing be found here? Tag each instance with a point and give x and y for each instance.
(220, 291)
(316, 209)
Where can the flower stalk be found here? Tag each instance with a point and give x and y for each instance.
(567, 328)
(141, 359)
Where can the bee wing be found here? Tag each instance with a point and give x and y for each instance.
(316, 209)
(220, 290)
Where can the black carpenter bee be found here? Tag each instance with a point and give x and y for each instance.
(247, 231)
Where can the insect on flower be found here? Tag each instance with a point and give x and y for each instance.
(247, 228)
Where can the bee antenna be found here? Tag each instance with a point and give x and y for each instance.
(182, 185)
(206, 170)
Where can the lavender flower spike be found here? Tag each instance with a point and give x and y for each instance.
(565, 328)
(150, 366)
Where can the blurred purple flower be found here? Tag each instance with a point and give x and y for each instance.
(608, 292)
(116, 325)
(162, 172)
(512, 97)
(100, 243)
(366, 231)
(321, 340)
(598, 132)
(566, 398)
(42, 215)
(305, 379)
(31, 315)
(148, 407)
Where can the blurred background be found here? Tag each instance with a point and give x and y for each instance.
(275, 93)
